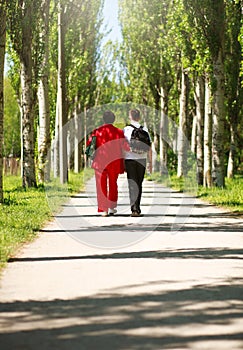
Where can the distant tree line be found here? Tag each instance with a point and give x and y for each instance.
(181, 57)
(184, 57)
(53, 48)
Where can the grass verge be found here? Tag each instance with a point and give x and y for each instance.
(230, 197)
(25, 212)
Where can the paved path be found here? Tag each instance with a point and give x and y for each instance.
(172, 279)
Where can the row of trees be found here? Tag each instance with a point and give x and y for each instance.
(183, 58)
(53, 48)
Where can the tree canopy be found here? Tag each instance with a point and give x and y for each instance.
(183, 58)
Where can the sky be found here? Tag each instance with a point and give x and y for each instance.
(111, 19)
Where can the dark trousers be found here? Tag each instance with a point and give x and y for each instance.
(135, 174)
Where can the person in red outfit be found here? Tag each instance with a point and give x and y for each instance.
(108, 163)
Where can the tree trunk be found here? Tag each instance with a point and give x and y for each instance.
(27, 107)
(77, 138)
(194, 135)
(86, 130)
(200, 104)
(234, 83)
(55, 146)
(61, 100)
(2, 57)
(44, 139)
(154, 146)
(218, 123)
(182, 140)
(163, 132)
(207, 177)
(231, 159)
(28, 136)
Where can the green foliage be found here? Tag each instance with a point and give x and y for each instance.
(208, 18)
(21, 215)
(11, 145)
(111, 75)
(234, 92)
(22, 23)
(230, 197)
(24, 212)
(82, 50)
(144, 51)
(82, 40)
(13, 67)
(159, 37)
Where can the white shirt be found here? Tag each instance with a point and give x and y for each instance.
(128, 133)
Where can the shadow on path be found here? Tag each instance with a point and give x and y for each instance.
(133, 227)
(114, 321)
(205, 253)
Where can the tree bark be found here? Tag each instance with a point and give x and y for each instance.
(207, 144)
(2, 58)
(194, 135)
(27, 107)
(44, 139)
(234, 82)
(61, 99)
(27, 100)
(182, 140)
(77, 138)
(232, 152)
(218, 140)
(200, 104)
(28, 137)
(55, 145)
(163, 132)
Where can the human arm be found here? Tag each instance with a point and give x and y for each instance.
(90, 136)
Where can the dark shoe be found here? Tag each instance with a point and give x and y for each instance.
(135, 214)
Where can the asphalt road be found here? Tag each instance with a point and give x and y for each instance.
(171, 279)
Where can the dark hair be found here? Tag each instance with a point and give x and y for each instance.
(109, 117)
(135, 114)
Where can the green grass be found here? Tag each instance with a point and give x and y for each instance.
(169, 181)
(230, 197)
(25, 212)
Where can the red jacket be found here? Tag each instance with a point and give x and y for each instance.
(110, 147)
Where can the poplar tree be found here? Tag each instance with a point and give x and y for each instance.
(44, 137)
(208, 17)
(234, 93)
(23, 24)
(2, 58)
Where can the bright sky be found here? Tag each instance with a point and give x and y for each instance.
(111, 19)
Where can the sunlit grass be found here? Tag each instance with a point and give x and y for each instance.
(230, 197)
(24, 212)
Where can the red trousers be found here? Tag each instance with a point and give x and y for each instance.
(106, 188)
